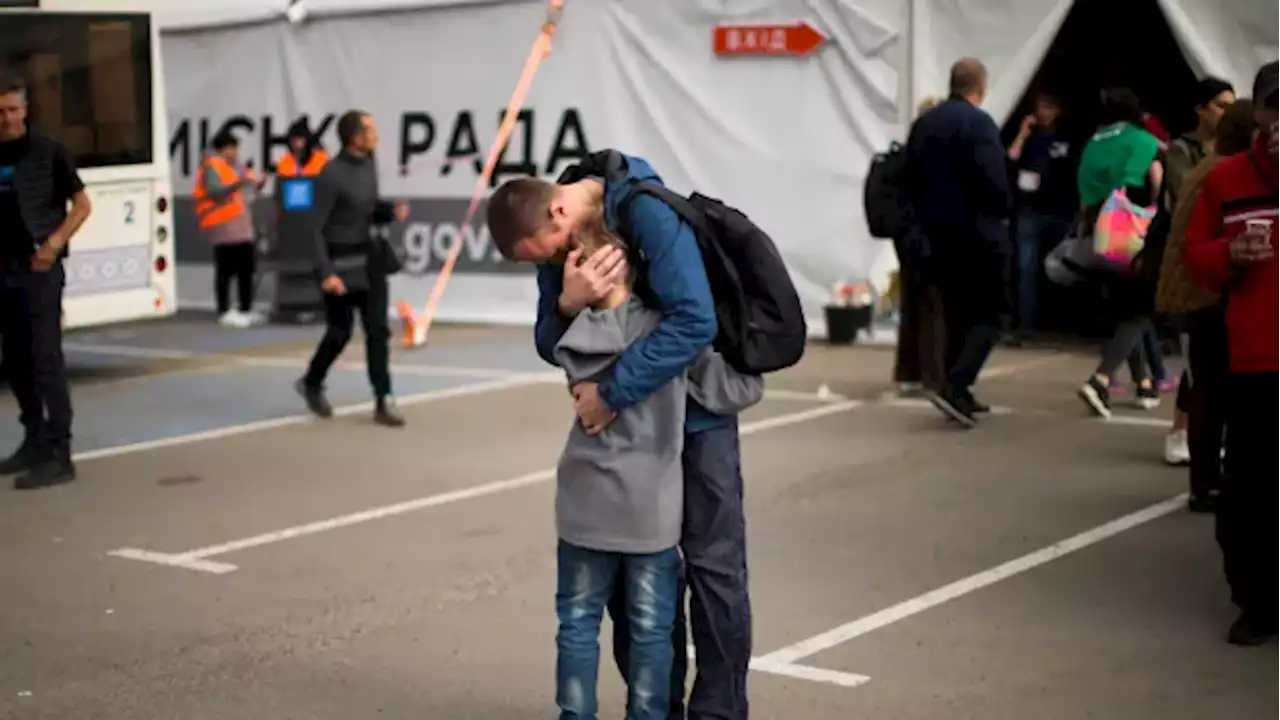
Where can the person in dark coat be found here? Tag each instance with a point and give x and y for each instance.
(958, 192)
(352, 264)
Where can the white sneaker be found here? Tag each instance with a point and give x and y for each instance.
(234, 319)
(1176, 449)
(255, 317)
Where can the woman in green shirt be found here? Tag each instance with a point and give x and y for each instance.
(1121, 154)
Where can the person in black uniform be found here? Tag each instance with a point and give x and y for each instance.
(352, 262)
(38, 180)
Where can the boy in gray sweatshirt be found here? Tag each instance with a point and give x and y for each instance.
(619, 505)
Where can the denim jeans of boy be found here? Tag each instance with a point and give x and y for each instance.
(586, 581)
(714, 543)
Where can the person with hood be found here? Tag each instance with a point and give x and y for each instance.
(1231, 248)
(532, 220)
(306, 157)
(296, 292)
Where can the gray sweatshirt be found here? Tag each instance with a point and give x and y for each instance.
(346, 197)
(623, 490)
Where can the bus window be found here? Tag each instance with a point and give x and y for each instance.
(88, 81)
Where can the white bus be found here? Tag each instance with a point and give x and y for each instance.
(94, 82)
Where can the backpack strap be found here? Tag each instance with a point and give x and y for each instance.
(674, 200)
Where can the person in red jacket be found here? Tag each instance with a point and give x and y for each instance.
(1231, 247)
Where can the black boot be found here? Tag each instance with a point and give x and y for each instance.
(317, 403)
(56, 468)
(1249, 631)
(28, 454)
(385, 412)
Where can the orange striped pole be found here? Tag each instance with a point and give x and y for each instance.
(416, 328)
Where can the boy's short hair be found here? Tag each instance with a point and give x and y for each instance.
(519, 209)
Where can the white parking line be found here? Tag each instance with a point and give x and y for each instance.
(198, 559)
(836, 636)
(507, 383)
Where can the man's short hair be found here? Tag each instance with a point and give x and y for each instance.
(11, 83)
(519, 209)
(350, 125)
(1235, 129)
(968, 76)
(222, 140)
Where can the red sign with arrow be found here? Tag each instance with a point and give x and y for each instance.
(794, 39)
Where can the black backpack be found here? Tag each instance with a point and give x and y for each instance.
(884, 194)
(761, 325)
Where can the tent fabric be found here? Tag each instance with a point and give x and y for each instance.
(786, 139)
(181, 15)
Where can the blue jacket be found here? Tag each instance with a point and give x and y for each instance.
(677, 282)
(958, 177)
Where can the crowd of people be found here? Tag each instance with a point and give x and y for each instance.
(1196, 219)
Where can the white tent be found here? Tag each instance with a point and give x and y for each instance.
(787, 139)
(184, 14)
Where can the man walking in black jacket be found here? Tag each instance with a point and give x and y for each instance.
(352, 263)
(958, 190)
(38, 180)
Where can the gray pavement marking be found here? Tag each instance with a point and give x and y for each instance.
(198, 559)
(792, 654)
(507, 383)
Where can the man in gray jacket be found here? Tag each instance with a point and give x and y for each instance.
(619, 507)
(352, 263)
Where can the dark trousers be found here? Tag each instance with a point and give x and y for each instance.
(922, 333)
(234, 262)
(31, 313)
(1207, 403)
(1246, 523)
(1034, 233)
(371, 303)
(974, 300)
(714, 544)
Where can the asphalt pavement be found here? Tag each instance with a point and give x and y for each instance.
(224, 557)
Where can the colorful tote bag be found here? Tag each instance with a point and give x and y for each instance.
(1120, 231)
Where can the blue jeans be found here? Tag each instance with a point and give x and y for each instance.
(714, 542)
(586, 581)
(1034, 232)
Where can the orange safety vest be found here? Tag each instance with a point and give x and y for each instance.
(212, 213)
(288, 165)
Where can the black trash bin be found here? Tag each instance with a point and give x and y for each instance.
(844, 322)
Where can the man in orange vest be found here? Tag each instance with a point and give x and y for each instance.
(224, 218)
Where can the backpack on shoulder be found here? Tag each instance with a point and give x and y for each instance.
(883, 194)
(761, 325)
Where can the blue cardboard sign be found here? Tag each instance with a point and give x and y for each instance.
(297, 194)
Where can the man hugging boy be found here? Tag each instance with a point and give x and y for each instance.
(619, 502)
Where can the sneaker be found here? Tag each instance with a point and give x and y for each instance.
(956, 406)
(317, 403)
(1248, 632)
(386, 414)
(1097, 397)
(979, 407)
(55, 469)
(27, 455)
(1169, 385)
(1148, 398)
(234, 319)
(910, 389)
(1176, 450)
(1205, 504)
